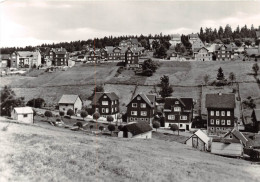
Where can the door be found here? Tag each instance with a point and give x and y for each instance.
(187, 127)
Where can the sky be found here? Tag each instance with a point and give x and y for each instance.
(33, 22)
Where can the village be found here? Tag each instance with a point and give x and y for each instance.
(217, 122)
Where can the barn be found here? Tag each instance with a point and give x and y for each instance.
(22, 114)
(199, 140)
(231, 144)
(136, 130)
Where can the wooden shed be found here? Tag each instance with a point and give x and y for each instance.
(199, 140)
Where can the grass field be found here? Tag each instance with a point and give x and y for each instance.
(32, 153)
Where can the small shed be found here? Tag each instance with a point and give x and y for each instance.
(136, 130)
(22, 114)
(231, 144)
(199, 140)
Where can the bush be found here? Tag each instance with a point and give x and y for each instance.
(37, 103)
(111, 128)
(48, 114)
(70, 112)
(61, 113)
(79, 124)
(120, 127)
(174, 127)
(91, 127)
(58, 119)
(83, 114)
(110, 119)
(101, 128)
(96, 115)
(156, 125)
(68, 117)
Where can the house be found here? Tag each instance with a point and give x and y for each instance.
(256, 120)
(132, 58)
(136, 130)
(116, 53)
(81, 58)
(25, 59)
(45, 55)
(106, 103)
(178, 111)
(5, 60)
(59, 56)
(193, 37)
(132, 42)
(93, 56)
(231, 144)
(141, 108)
(22, 114)
(197, 44)
(199, 140)
(220, 112)
(73, 102)
(203, 54)
(175, 39)
(224, 52)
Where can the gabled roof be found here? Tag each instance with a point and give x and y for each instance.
(220, 101)
(111, 95)
(203, 136)
(5, 56)
(68, 99)
(44, 50)
(150, 99)
(228, 47)
(257, 114)
(134, 41)
(203, 48)
(59, 50)
(187, 103)
(238, 135)
(23, 110)
(27, 53)
(137, 128)
(193, 35)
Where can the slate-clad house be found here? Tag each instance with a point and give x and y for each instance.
(224, 53)
(220, 111)
(141, 108)
(203, 54)
(178, 111)
(136, 130)
(93, 56)
(106, 103)
(25, 59)
(59, 56)
(73, 102)
(131, 58)
(132, 42)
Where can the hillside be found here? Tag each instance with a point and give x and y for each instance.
(33, 153)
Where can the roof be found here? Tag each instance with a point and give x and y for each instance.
(226, 101)
(193, 35)
(134, 41)
(5, 56)
(238, 135)
(251, 51)
(228, 47)
(44, 50)
(187, 103)
(151, 40)
(137, 128)
(23, 110)
(257, 114)
(68, 99)
(111, 95)
(59, 50)
(176, 36)
(203, 136)
(27, 53)
(147, 98)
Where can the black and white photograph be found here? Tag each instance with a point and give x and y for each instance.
(129, 91)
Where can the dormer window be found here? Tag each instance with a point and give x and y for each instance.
(105, 96)
(176, 102)
(138, 98)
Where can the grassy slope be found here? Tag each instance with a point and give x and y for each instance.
(37, 154)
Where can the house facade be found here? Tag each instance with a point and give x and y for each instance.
(72, 102)
(25, 59)
(203, 54)
(136, 130)
(193, 37)
(132, 42)
(199, 140)
(224, 53)
(197, 44)
(141, 108)
(178, 111)
(5, 60)
(22, 114)
(131, 58)
(106, 103)
(59, 56)
(93, 56)
(220, 111)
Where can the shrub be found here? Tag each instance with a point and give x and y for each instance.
(110, 119)
(156, 125)
(48, 114)
(101, 128)
(68, 117)
(120, 127)
(83, 114)
(174, 127)
(79, 124)
(111, 128)
(37, 103)
(58, 119)
(91, 127)
(96, 115)
(61, 113)
(70, 112)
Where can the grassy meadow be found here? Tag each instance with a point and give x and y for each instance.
(36, 153)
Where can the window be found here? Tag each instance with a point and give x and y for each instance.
(171, 117)
(25, 115)
(223, 122)
(217, 113)
(115, 101)
(131, 119)
(134, 113)
(115, 109)
(103, 110)
(223, 113)
(104, 103)
(228, 122)
(183, 117)
(180, 125)
(228, 113)
(107, 110)
(134, 104)
(143, 105)
(217, 122)
(143, 113)
(105, 96)
(212, 121)
(218, 129)
(176, 102)
(177, 109)
(212, 129)
(112, 110)
(138, 98)
(212, 113)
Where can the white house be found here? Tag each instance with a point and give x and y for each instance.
(136, 130)
(203, 54)
(22, 114)
(199, 140)
(70, 102)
